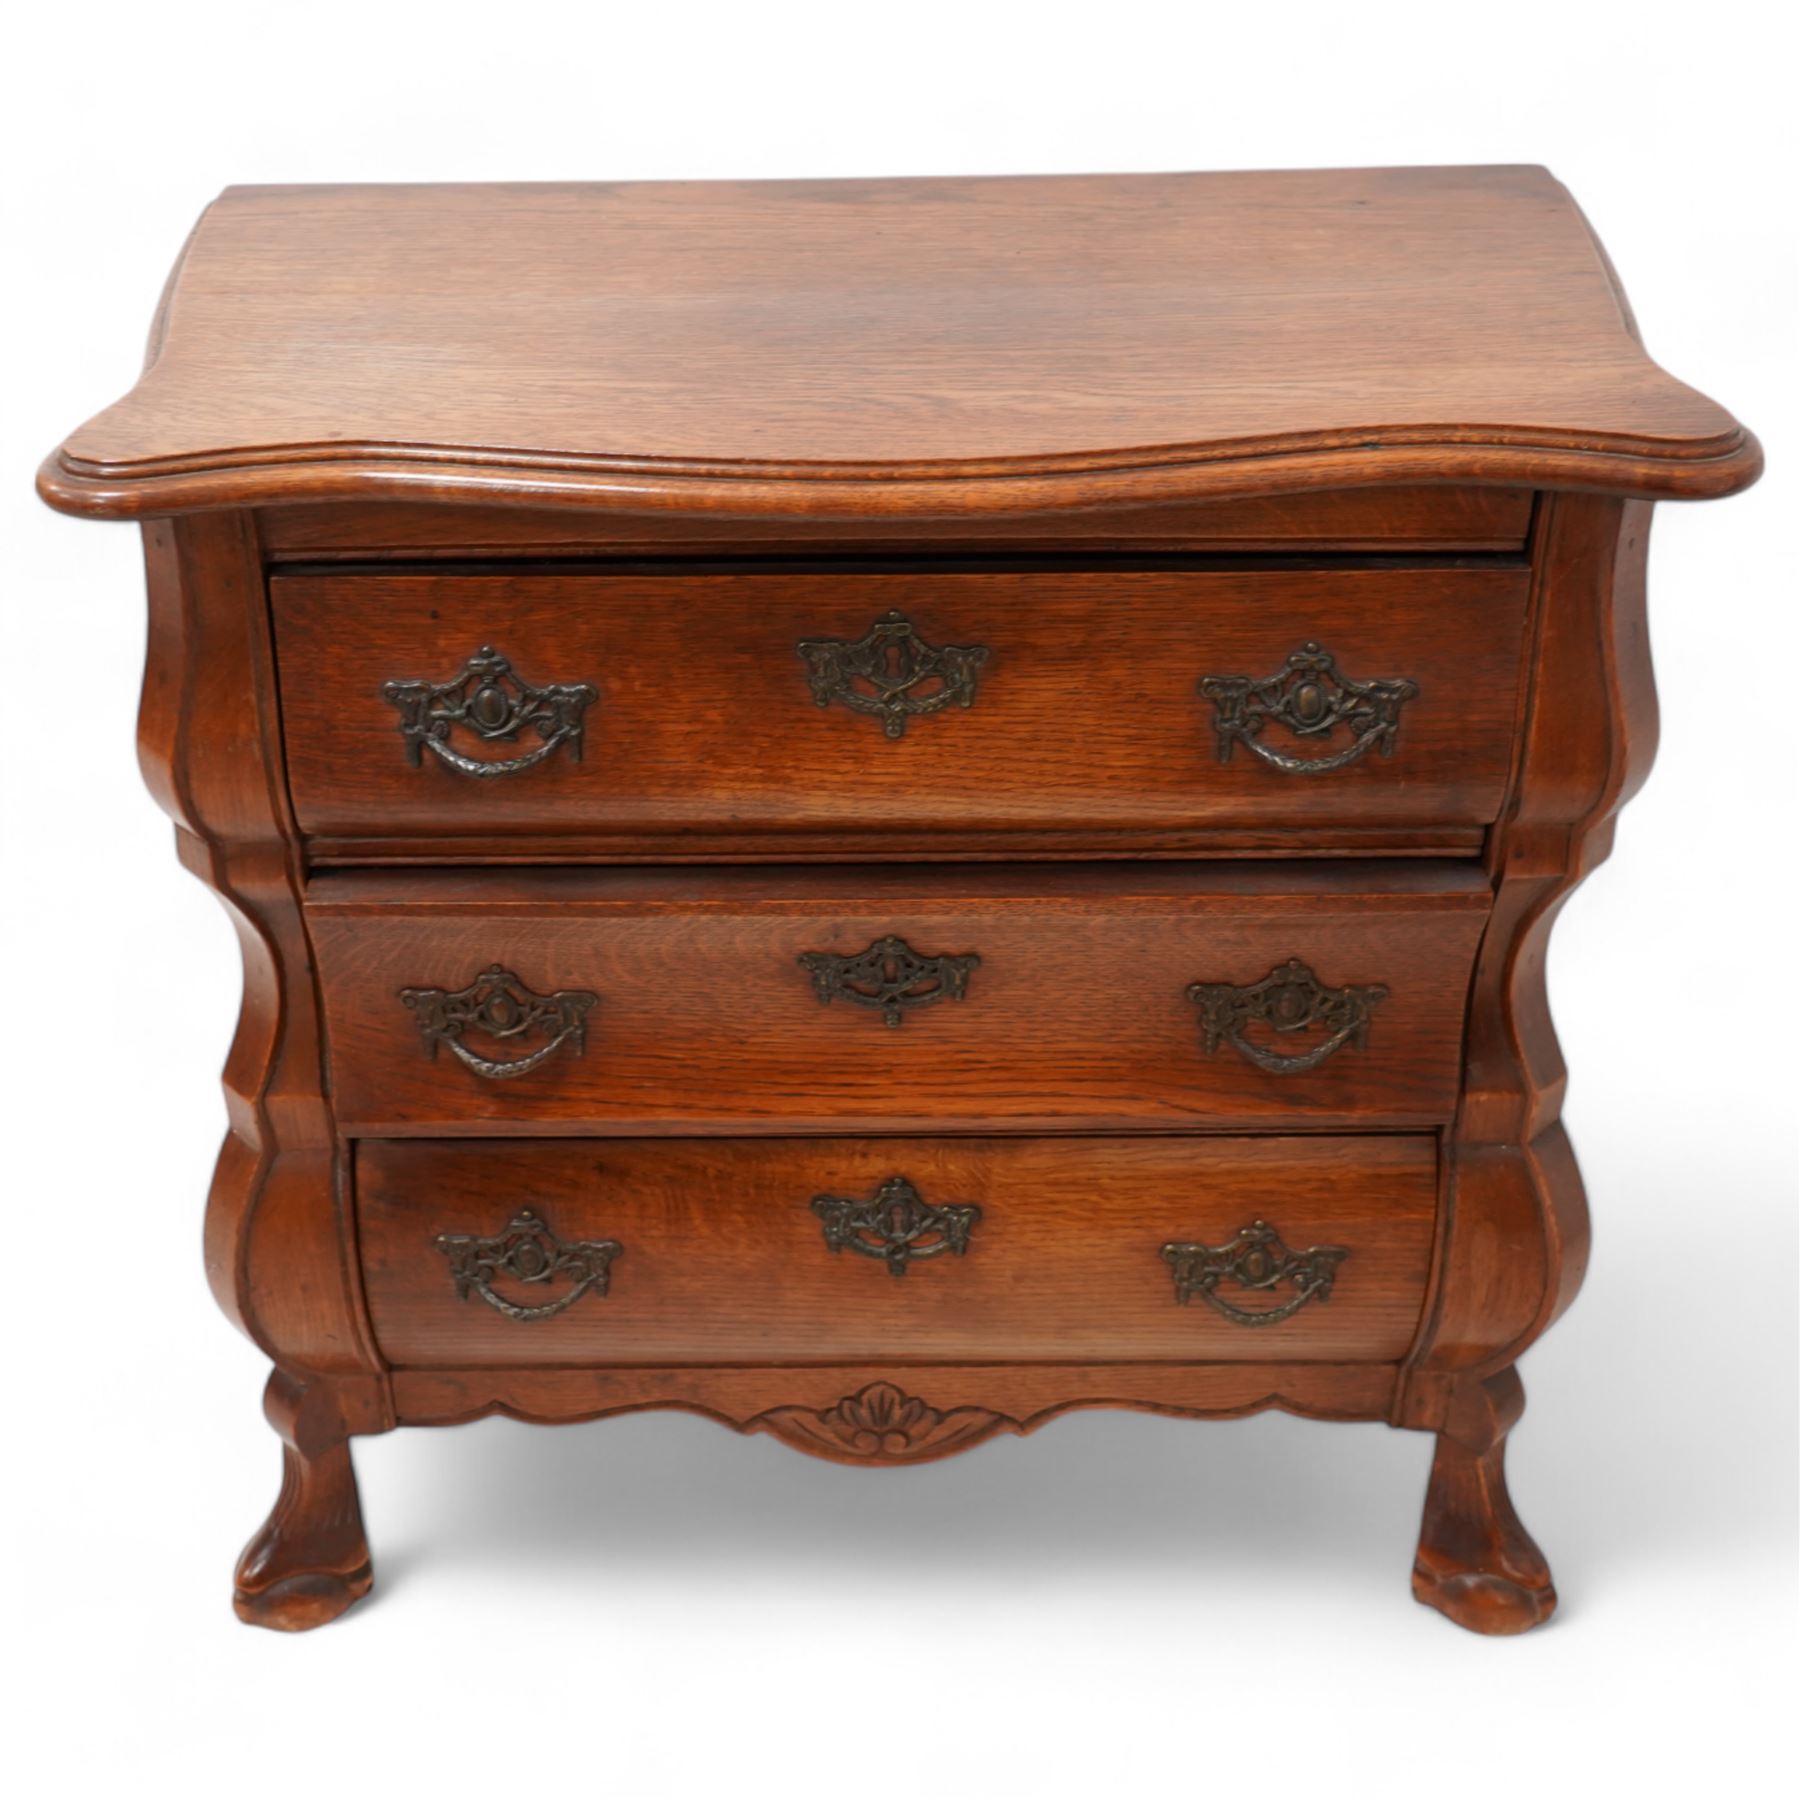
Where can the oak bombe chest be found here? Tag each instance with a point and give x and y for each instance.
(883, 809)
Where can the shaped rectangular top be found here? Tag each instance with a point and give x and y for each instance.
(879, 347)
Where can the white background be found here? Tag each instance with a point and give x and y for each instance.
(1120, 1605)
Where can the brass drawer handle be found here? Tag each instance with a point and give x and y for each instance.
(896, 1225)
(1258, 1260)
(890, 976)
(499, 1005)
(529, 1252)
(488, 698)
(892, 674)
(1312, 699)
(1288, 999)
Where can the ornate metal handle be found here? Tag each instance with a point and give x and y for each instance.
(890, 674)
(890, 975)
(529, 1252)
(1288, 999)
(499, 1005)
(1256, 1259)
(1312, 699)
(896, 1225)
(489, 699)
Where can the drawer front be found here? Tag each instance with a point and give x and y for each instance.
(1190, 1249)
(895, 999)
(625, 704)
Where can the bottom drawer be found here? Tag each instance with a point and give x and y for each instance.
(844, 1249)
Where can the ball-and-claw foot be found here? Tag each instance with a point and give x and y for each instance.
(310, 1561)
(303, 1601)
(1477, 1564)
(1494, 1605)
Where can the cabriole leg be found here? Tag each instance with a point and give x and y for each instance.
(310, 1561)
(1477, 1564)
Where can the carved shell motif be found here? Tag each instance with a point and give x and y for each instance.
(883, 1423)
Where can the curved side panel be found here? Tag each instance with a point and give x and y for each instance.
(1515, 1218)
(1515, 1248)
(277, 1246)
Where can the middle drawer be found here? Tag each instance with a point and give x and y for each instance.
(895, 999)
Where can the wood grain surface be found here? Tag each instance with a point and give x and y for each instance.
(723, 1258)
(876, 347)
(1076, 1019)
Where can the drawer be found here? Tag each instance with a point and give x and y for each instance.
(626, 704)
(895, 998)
(841, 1248)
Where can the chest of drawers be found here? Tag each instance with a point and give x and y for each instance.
(881, 810)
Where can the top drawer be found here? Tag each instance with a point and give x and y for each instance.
(859, 706)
